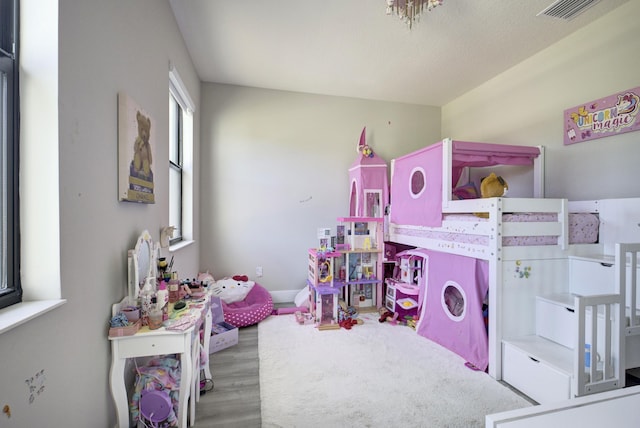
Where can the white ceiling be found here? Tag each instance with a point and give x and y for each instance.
(352, 48)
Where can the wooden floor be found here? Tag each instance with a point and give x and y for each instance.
(234, 401)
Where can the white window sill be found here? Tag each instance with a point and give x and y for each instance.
(20, 313)
(180, 245)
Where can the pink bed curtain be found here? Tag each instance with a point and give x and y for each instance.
(466, 334)
(409, 205)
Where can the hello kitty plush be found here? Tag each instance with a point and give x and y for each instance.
(232, 290)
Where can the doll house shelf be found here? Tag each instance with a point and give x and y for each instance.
(362, 257)
(324, 288)
(352, 271)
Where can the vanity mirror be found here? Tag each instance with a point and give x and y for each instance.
(141, 264)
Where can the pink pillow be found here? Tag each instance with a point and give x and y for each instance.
(466, 191)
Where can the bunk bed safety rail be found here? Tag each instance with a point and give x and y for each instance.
(598, 321)
(627, 283)
(559, 227)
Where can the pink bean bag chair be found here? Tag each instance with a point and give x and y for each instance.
(256, 306)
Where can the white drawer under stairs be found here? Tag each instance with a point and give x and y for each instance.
(545, 365)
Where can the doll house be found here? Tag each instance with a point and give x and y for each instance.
(368, 183)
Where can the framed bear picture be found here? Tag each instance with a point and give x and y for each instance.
(135, 152)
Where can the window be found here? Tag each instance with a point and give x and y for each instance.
(175, 168)
(180, 160)
(10, 287)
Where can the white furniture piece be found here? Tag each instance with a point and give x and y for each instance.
(549, 366)
(618, 408)
(520, 275)
(195, 351)
(147, 343)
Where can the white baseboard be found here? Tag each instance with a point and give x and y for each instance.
(284, 296)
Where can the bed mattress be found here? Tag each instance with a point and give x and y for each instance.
(583, 229)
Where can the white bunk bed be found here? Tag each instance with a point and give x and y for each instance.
(519, 272)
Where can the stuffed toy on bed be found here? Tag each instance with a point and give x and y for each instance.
(491, 187)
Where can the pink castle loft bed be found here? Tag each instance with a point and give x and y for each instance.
(506, 261)
(424, 205)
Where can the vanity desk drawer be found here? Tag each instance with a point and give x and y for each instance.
(149, 343)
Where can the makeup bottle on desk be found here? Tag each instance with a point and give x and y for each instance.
(146, 295)
(155, 315)
(162, 300)
(174, 290)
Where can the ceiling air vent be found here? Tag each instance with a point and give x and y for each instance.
(567, 9)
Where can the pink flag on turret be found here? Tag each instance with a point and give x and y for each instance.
(363, 139)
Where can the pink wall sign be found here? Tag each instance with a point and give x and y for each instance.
(612, 115)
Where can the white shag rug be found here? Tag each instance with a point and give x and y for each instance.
(374, 375)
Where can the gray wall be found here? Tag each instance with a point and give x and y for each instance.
(275, 169)
(525, 105)
(104, 48)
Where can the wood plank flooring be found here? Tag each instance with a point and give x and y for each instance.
(234, 401)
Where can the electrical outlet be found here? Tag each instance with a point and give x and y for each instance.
(258, 271)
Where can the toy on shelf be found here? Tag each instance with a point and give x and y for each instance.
(324, 237)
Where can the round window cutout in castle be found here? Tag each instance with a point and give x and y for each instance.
(454, 301)
(417, 182)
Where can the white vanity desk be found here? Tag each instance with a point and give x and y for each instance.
(147, 343)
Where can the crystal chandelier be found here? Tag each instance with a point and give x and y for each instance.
(410, 10)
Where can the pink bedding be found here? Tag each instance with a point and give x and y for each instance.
(583, 229)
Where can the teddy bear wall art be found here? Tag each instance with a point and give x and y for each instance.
(135, 152)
